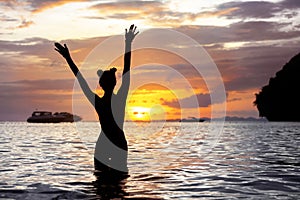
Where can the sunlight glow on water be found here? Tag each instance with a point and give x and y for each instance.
(251, 160)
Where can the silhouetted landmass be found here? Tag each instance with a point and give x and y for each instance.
(245, 119)
(280, 99)
(236, 119)
(206, 119)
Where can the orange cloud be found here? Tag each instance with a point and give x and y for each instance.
(40, 6)
(25, 23)
(129, 6)
(217, 13)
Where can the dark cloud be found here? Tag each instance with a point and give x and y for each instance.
(11, 3)
(18, 57)
(155, 12)
(290, 14)
(260, 9)
(35, 46)
(243, 68)
(29, 86)
(239, 32)
(290, 4)
(234, 99)
(125, 16)
(39, 53)
(195, 101)
(20, 98)
(253, 9)
(5, 18)
(251, 67)
(36, 5)
(29, 46)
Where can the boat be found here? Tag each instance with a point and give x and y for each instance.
(48, 117)
(192, 119)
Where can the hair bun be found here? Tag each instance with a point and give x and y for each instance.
(113, 69)
(99, 72)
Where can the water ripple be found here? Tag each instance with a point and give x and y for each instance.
(250, 161)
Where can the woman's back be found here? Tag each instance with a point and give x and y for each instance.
(112, 121)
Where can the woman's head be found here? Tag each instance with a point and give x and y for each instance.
(107, 78)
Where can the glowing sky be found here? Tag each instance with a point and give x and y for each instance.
(249, 41)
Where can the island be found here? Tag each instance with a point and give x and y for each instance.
(280, 99)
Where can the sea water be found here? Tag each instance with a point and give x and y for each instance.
(249, 160)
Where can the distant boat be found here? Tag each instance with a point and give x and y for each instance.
(48, 117)
(192, 119)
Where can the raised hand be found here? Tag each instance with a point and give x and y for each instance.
(130, 35)
(63, 50)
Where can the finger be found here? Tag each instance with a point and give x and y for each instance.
(60, 48)
(136, 33)
(58, 45)
(65, 46)
(57, 50)
(134, 29)
(131, 27)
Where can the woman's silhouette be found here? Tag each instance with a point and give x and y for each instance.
(111, 147)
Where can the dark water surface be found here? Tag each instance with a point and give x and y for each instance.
(252, 160)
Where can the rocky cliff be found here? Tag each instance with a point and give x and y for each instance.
(280, 99)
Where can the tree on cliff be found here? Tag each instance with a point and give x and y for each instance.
(280, 99)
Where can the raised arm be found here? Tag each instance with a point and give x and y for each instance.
(129, 36)
(64, 51)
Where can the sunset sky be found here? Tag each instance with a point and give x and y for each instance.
(249, 41)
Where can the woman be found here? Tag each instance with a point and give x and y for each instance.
(111, 148)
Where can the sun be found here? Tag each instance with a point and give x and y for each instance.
(137, 113)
